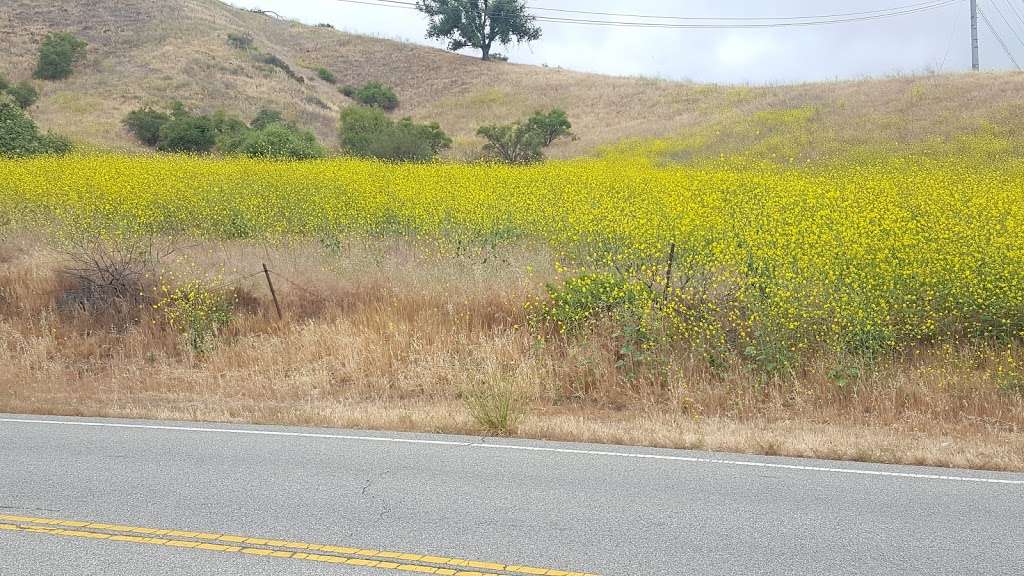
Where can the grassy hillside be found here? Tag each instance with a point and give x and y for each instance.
(144, 52)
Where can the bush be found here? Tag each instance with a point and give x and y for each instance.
(108, 271)
(512, 143)
(145, 124)
(551, 126)
(497, 407)
(327, 76)
(192, 134)
(276, 62)
(198, 313)
(266, 117)
(373, 94)
(523, 142)
(243, 41)
(281, 141)
(58, 54)
(368, 132)
(19, 135)
(24, 94)
(580, 302)
(4, 84)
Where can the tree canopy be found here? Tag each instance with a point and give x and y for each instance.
(479, 23)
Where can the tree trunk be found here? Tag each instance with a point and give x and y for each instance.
(486, 51)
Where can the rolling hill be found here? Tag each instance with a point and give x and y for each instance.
(147, 53)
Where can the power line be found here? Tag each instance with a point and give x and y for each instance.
(718, 24)
(732, 18)
(1015, 12)
(995, 33)
(1007, 22)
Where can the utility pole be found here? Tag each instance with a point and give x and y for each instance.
(975, 61)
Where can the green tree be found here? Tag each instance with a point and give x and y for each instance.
(512, 143)
(19, 135)
(145, 124)
(551, 125)
(479, 23)
(524, 142)
(24, 94)
(58, 54)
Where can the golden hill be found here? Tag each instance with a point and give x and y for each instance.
(146, 52)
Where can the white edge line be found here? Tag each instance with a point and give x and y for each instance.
(574, 451)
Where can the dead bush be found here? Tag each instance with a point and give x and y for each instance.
(104, 272)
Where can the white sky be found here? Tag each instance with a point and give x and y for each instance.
(934, 40)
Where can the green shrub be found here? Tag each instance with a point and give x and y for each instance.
(58, 54)
(198, 313)
(580, 302)
(145, 124)
(551, 125)
(281, 141)
(4, 83)
(327, 76)
(191, 134)
(266, 117)
(24, 94)
(373, 94)
(243, 41)
(512, 143)
(524, 142)
(368, 132)
(19, 135)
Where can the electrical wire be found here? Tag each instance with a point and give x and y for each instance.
(999, 38)
(733, 18)
(1015, 12)
(1007, 22)
(718, 24)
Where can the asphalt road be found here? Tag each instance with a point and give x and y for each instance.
(323, 500)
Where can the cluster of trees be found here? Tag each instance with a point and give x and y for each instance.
(19, 135)
(368, 132)
(268, 135)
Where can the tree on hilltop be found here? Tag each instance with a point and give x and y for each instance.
(479, 23)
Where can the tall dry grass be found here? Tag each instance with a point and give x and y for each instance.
(387, 334)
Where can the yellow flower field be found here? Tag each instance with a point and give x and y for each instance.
(859, 258)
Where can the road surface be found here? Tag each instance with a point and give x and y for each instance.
(111, 497)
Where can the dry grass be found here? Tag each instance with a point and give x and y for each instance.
(384, 334)
(144, 52)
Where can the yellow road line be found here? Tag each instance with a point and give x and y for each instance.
(271, 548)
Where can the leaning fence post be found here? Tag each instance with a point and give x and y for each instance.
(668, 271)
(272, 293)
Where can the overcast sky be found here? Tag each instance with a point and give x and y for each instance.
(938, 39)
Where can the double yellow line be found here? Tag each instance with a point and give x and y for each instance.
(273, 548)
